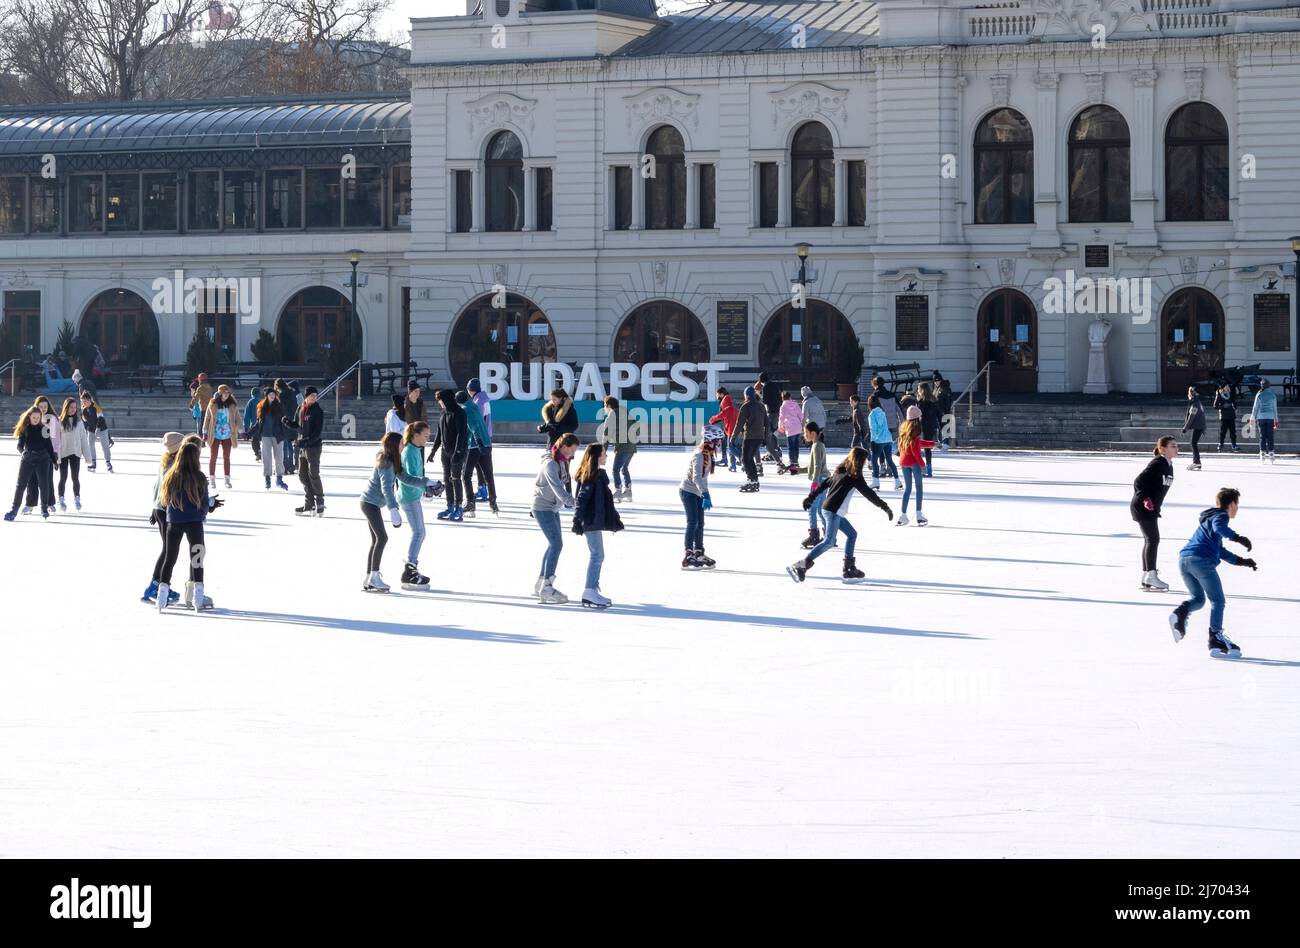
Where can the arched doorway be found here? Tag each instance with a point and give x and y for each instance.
(1007, 336)
(1191, 327)
(801, 346)
(123, 326)
(662, 331)
(314, 323)
(518, 333)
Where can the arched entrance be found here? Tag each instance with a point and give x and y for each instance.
(518, 333)
(801, 346)
(1007, 336)
(123, 326)
(662, 331)
(1191, 327)
(314, 323)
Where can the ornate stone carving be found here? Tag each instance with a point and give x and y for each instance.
(661, 272)
(1194, 81)
(808, 99)
(1144, 78)
(1189, 266)
(661, 105)
(500, 108)
(1006, 269)
(499, 273)
(1076, 18)
(1001, 86)
(1096, 84)
(1047, 81)
(19, 278)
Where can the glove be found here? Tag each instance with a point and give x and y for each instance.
(707, 503)
(1149, 504)
(432, 489)
(1244, 541)
(577, 526)
(541, 428)
(807, 502)
(395, 515)
(215, 503)
(153, 518)
(889, 511)
(1245, 561)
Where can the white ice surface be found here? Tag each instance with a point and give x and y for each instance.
(999, 688)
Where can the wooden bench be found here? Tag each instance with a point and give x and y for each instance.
(157, 376)
(389, 374)
(894, 374)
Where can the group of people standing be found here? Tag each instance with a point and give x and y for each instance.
(48, 442)
(1262, 421)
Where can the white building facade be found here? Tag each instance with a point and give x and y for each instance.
(943, 163)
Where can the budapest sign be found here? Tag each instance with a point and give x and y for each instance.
(655, 381)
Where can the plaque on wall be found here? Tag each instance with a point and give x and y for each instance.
(1272, 322)
(912, 322)
(733, 327)
(1096, 256)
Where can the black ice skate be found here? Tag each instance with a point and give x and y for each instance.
(799, 570)
(1178, 623)
(689, 561)
(814, 537)
(1223, 647)
(703, 561)
(411, 579)
(851, 572)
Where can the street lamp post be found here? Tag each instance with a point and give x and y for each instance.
(354, 258)
(1295, 335)
(801, 251)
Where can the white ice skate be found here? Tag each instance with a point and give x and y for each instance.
(618, 495)
(550, 594)
(375, 584)
(1152, 582)
(921, 519)
(898, 484)
(164, 595)
(875, 483)
(194, 598)
(537, 586)
(592, 599)
(901, 521)
(228, 482)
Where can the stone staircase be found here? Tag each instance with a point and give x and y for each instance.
(1124, 423)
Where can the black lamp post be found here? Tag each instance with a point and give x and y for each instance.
(354, 258)
(802, 250)
(1295, 336)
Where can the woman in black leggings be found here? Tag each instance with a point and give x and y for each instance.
(184, 496)
(1149, 489)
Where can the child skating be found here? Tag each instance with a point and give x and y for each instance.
(410, 499)
(551, 494)
(1149, 490)
(34, 470)
(184, 497)
(817, 475)
(910, 458)
(882, 444)
(1199, 564)
(594, 514)
(171, 443)
(838, 491)
(381, 489)
(694, 494)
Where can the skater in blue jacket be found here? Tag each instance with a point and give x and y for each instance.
(1199, 565)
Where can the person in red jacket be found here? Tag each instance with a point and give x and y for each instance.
(727, 414)
(911, 458)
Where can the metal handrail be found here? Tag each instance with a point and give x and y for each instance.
(334, 387)
(12, 366)
(970, 390)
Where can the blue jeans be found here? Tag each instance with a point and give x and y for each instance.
(792, 448)
(815, 511)
(733, 453)
(595, 547)
(549, 521)
(882, 459)
(1265, 426)
(694, 519)
(913, 476)
(834, 524)
(620, 473)
(413, 513)
(1202, 578)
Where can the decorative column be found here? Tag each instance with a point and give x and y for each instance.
(1046, 234)
(479, 201)
(530, 197)
(638, 198)
(783, 193)
(692, 194)
(1142, 204)
(841, 193)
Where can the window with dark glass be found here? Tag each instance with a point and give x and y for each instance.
(324, 197)
(21, 321)
(122, 205)
(482, 333)
(314, 323)
(661, 331)
(665, 192)
(622, 198)
(505, 183)
(769, 190)
(464, 201)
(239, 207)
(805, 345)
(362, 206)
(204, 200)
(44, 205)
(158, 204)
(1004, 169)
(401, 204)
(13, 204)
(86, 203)
(284, 199)
(1099, 183)
(1196, 164)
(708, 197)
(856, 175)
(544, 198)
(812, 177)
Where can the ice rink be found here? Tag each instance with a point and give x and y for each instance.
(999, 687)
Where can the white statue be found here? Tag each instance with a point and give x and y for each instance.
(1098, 377)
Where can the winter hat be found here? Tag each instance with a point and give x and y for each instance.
(311, 390)
(397, 403)
(762, 376)
(749, 391)
(172, 441)
(412, 385)
(805, 391)
(203, 376)
(76, 375)
(473, 386)
(913, 412)
(254, 392)
(462, 398)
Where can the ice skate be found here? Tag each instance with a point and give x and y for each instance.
(63, 507)
(851, 572)
(875, 483)
(457, 514)
(627, 496)
(550, 594)
(195, 599)
(413, 580)
(228, 484)
(279, 482)
(163, 596)
(618, 495)
(268, 482)
(1223, 647)
(1194, 466)
(592, 599)
(305, 511)
(11, 516)
(814, 537)
(798, 570)
(1152, 582)
(792, 469)
(76, 502)
(90, 468)
(482, 492)
(212, 483)
(921, 519)
(468, 512)
(26, 511)
(1178, 623)
(703, 561)
(320, 511)
(446, 514)
(45, 514)
(689, 561)
(375, 584)
(901, 521)
(496, 512)
(746, 488)
(537, 586)
(898, 484)
(110, 467)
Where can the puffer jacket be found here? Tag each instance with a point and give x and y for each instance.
(594, 506)
(1265, 406)
(727, 414)
(790, 420)
(813, 409)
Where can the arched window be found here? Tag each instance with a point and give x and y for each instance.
(1191, 327)
(505, 182)
(661, 331)
(812, 177)
(123, 326)
(665, 193)
(1099, 183)
(801, 346)
(1196, 164)
(1004, 169)
(314, 323)
(519, 333)
(1007, 336)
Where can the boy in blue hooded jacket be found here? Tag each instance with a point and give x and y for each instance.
(1199, 564)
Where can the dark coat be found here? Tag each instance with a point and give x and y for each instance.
(310, 425)
(453, 433)
(930, 418)
(1227, 408)
(837, 487)
(594, 508)
(752, 421)
(558, 421)
(1195, 416)
(1154, 482)
(771, 397)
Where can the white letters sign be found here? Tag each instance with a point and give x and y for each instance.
(657, 381)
